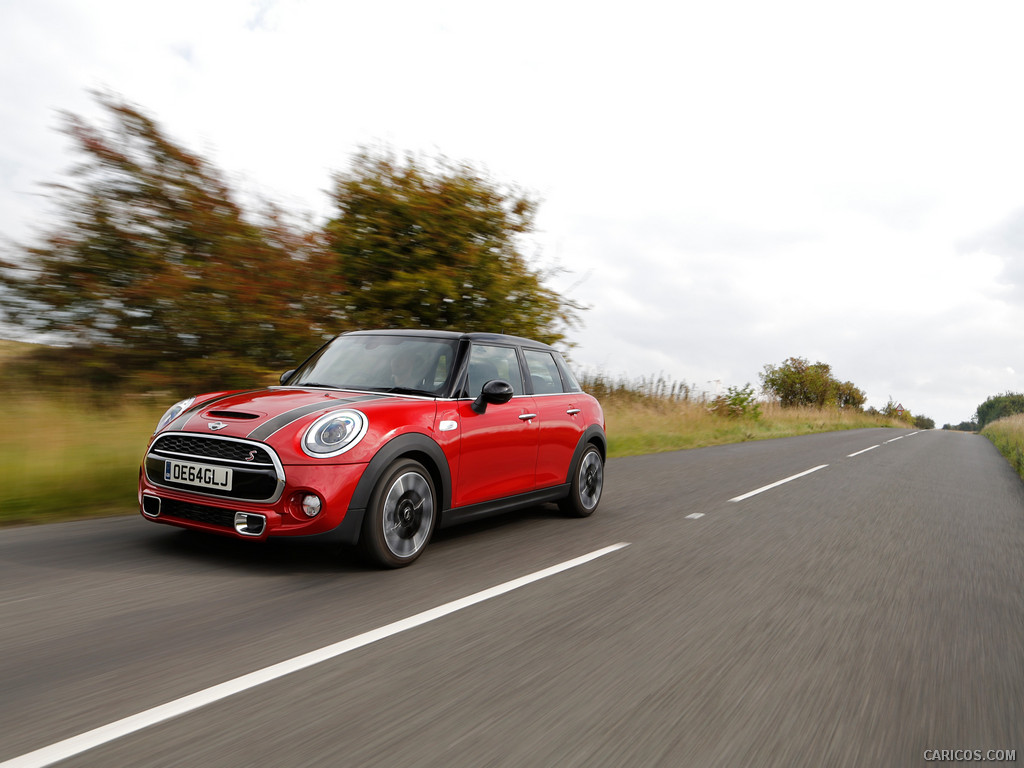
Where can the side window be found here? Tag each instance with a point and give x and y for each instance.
(486, 363)
(569, 381)
(543, 372)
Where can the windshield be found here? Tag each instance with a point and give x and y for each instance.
(401, 364)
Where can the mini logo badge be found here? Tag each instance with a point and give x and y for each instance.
(251, 456)
(215, 425)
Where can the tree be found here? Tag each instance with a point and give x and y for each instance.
(998, 406)
(423, 247)
(796, 382)
(153, 266)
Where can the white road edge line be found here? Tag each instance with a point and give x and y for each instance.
(75, 745)
(759, 490)
(858, 453)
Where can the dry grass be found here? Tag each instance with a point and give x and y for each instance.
(1007, 434)
(67, 454)
(668, 425)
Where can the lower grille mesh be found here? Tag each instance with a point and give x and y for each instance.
(200, 513)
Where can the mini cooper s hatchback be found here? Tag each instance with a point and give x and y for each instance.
(379, 438)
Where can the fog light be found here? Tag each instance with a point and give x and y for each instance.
(311, 505)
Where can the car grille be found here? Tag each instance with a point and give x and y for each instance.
(211, 448)
(199, 513)
(257, 474)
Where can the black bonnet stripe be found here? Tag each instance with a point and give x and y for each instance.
(179, 423)
(277, 423)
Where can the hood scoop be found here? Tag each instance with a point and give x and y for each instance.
(233, 415)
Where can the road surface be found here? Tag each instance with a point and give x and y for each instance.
(868, 611)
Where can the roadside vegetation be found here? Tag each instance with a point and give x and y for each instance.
(70, 452)
(157, 283)
(1001, 419)
(1007, 435)
(654, 415)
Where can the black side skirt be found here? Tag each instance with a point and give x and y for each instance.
(488, 508)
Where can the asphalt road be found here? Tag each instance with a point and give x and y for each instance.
(862, 614)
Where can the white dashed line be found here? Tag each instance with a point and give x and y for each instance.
(695, 516)
(773, 485)
(63, 750)
(858, 453)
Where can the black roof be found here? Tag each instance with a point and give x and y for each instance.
(480, 336)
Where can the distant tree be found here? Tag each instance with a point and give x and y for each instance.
(438, 247)
(153, 266)
(923, 422)
(963, 426)
(797, 382)
(894, 410)
(998, 406)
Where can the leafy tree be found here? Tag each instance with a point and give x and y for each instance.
(998, 406)
(923, 422)
(423, 247)
(797, 382)
(736, 403)
(153, 266)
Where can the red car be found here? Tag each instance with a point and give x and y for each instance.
(379, 438)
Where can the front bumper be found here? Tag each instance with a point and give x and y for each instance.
(334, 484)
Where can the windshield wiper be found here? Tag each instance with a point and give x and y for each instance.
(404, 391)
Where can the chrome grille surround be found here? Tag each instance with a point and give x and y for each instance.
(264, 475)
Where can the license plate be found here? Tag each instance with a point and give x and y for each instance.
(201, 475)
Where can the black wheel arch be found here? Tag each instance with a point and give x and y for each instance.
(594, 435)
(413, 445)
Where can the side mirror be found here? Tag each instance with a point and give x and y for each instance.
(287, 375)
(493, 392)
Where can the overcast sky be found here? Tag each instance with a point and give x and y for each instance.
(726, 184)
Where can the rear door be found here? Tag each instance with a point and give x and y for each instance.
(559, 416)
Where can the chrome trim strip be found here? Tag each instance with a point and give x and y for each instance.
(193, 457)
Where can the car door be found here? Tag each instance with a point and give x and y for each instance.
(559, 417)
(498, 448)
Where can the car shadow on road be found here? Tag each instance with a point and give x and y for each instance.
(279, 556)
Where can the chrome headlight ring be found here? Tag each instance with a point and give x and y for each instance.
(334, 433)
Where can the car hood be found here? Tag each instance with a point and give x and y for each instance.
(258, 415)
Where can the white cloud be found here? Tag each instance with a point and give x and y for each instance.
(729, 183)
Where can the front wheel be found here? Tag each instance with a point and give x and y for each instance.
(401, 515)
(586, 486)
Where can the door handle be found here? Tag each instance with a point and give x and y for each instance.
(528, 416)
(573, 411)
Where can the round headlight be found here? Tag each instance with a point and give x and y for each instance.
(334, 433)
(173, 412)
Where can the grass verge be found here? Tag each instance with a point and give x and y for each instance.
(1007, 435)
(65, 455)
(637, 427)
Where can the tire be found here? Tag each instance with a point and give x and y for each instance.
(401, 516)
(587, 484)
